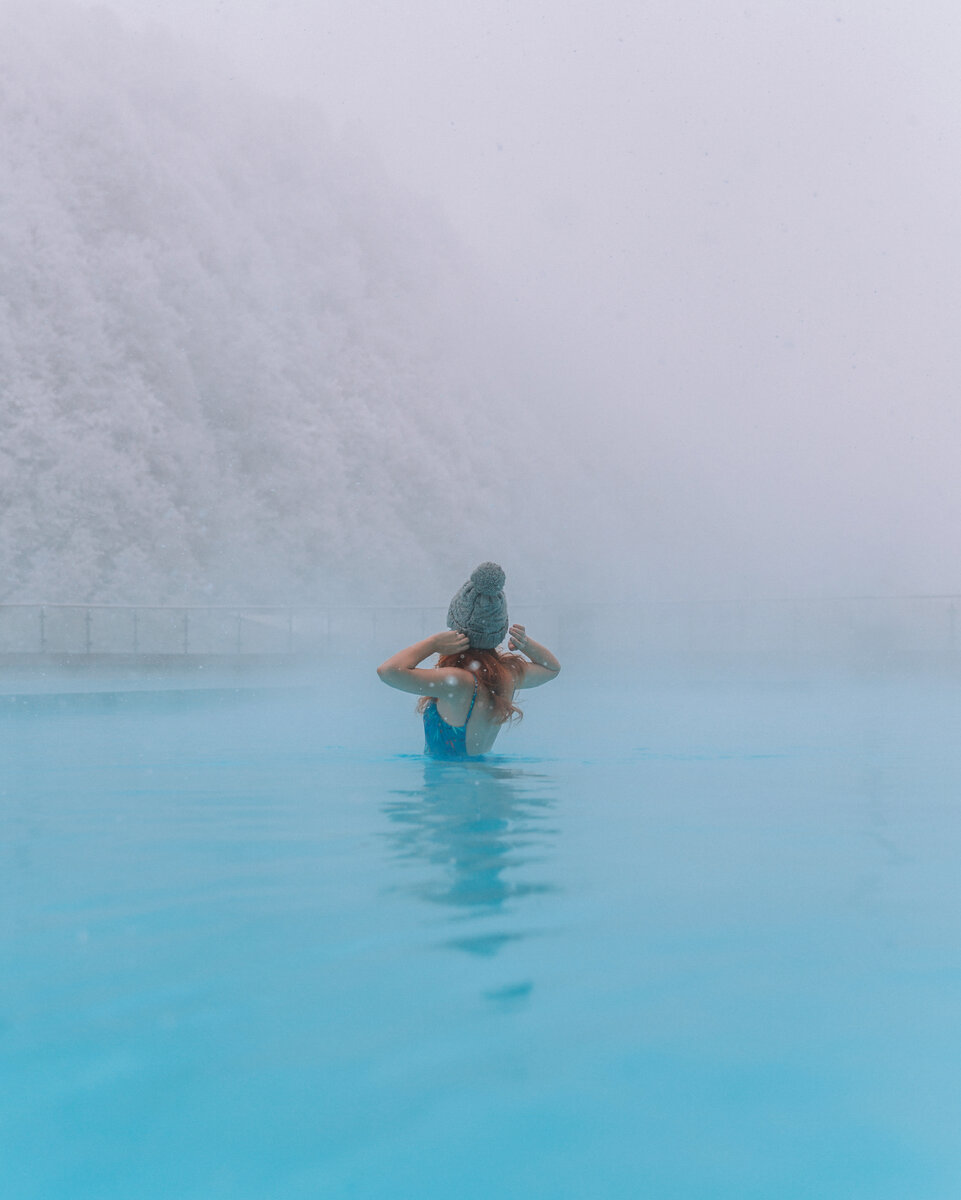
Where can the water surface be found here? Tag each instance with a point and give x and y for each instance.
(676, 940)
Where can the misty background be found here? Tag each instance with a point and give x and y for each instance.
(309, 302)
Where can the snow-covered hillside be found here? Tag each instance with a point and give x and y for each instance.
(234, 362)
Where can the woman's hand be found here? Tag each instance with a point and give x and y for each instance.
(543, 665)
(518, 639)
(450, 642)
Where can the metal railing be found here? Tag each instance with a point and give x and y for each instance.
(190, 630)
(853, 627)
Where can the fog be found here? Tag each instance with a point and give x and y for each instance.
(652, 301)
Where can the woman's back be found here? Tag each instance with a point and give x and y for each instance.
(450, 731)
(443, 738)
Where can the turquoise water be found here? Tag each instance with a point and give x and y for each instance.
(678, 941)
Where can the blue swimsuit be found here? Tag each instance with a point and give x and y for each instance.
(443, 740)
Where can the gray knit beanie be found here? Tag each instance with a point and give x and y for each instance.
(479, 608)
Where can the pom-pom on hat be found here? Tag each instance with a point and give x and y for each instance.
(479, 609)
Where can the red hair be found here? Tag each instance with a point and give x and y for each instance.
(496, 673)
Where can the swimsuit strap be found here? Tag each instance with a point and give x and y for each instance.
(471, 709)
(443, 740)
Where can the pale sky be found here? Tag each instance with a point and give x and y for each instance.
(737, 221)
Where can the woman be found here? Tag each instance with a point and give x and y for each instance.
(469, 695)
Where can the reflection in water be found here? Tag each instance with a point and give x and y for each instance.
(475, 824)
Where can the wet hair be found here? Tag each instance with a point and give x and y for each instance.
(497, 675)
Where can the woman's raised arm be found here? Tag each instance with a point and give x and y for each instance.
(543, 666)
(401, 670)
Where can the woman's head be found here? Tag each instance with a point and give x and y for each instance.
(496, 673)
(479, 609)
